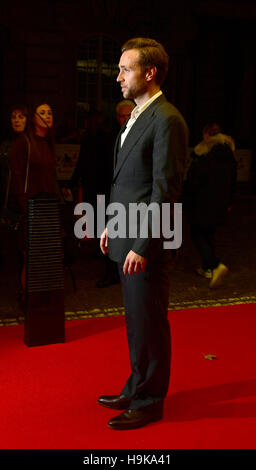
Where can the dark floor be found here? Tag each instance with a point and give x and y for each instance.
(235, 247)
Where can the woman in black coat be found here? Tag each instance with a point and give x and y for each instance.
(32, 162)
(18, 120)
(209, 192)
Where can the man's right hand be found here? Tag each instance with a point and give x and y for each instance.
(104, 242)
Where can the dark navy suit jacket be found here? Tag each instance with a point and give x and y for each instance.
(148, 168)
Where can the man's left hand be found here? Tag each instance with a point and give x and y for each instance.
(134, 263)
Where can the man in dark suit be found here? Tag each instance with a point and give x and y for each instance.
(150, 155)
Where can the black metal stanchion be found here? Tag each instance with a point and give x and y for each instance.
(44, 312)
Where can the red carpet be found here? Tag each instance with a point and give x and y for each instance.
(48, 394)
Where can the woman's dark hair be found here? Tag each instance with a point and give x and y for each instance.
(151, 53)
(19, 107)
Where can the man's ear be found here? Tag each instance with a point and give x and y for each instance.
(151, 73)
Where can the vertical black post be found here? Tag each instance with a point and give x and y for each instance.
(44, 316)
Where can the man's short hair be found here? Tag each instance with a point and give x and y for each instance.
(151, 53)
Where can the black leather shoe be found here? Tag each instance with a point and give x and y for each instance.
(116, 402)
(133, 419)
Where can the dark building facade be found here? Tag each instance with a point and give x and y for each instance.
(68, 51)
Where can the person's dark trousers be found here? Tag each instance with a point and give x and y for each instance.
(110, 274)
(204, 240)
(111, 270)
(148, 331)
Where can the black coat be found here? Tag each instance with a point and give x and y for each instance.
(95, 166)
(211, 181)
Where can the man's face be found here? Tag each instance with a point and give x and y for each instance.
(132, 75)
(123, 114)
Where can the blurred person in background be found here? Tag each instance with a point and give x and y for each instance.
(18, 120)
(32, 173)
(208, 195)
(123, 112)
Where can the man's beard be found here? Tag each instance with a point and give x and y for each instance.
(133, 93)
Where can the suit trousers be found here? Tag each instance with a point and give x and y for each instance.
(204, 240)
(146, 307)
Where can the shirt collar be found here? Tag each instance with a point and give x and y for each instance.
(139, 109)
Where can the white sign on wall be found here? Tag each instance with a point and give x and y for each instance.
(243, 158)
(66, 160)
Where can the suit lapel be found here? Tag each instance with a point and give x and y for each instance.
(138, 128)
(117, 144)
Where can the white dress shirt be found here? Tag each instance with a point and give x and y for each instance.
(136, 112)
